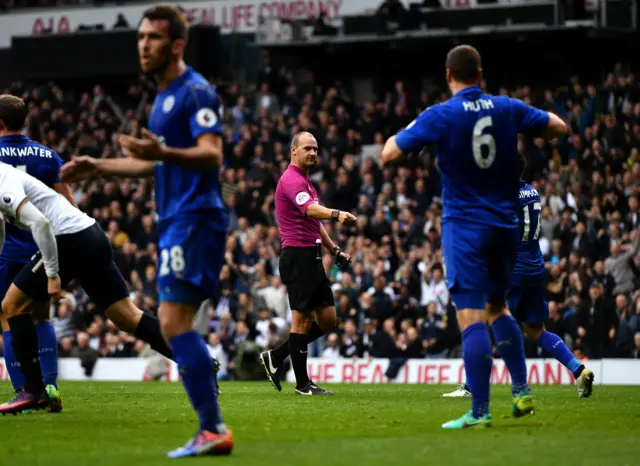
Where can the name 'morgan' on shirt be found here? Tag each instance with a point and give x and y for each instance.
(294, 194)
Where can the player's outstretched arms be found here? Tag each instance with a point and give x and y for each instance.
(85, 167)
(556, 127)
(426, 129)
(390, 151)
(207, 153)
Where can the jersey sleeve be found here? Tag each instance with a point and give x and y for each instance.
(297, 191)
(426, 129)
(204, 109)
(529, 119)
(11, 196)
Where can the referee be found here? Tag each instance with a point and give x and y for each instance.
(313, 310)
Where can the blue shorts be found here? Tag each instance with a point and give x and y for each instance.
(190, 257)
(8, 272)
(527, 304)
(478, 261)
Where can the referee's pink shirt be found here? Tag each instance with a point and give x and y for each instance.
(293, 195)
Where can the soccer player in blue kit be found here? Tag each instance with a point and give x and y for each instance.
(183, 151)
(477, 134)
(19, 151)
(526, 294)
(527, 290)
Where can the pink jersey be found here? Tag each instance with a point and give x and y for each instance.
(293, 195)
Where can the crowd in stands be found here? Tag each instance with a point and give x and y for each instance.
(393, 301)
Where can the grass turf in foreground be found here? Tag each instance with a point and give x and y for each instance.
(137, 423)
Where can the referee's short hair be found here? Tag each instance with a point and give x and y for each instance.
(295, 141)
(464, 64)
(13, 112)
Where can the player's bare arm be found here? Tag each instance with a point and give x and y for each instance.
(65, 190)
(85, 167)
(391, 152)
(207, 153)
(322, 213)
(557, 127)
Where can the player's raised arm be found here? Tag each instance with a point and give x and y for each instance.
(424, 130)
(84, 167)
(531, 120)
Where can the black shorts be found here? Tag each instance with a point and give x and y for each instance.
(307, 283)
(85, 256)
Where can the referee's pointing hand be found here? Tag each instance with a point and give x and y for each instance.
(346, 218)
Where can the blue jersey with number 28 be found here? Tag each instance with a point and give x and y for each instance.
(192, 216)
(477, 137)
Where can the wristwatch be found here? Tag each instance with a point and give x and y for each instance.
(334, 215)
(336, 251)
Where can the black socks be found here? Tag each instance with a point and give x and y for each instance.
(148, 329)
(279, 354)
(298, 344)
(25, 347)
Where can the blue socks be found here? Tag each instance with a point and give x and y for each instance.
(510, 343)
(196, 369)
(13, 366)
(48, 350)
(554, 345)
(478, 361)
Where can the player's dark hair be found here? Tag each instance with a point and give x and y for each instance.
(464, 64)
(13, 112)
(178, 23)
(522, 164)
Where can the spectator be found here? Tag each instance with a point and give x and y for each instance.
(619, 265)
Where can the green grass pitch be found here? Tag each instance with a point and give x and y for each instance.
(137, 423)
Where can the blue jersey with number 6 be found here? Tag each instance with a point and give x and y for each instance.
(529, 261)
(192, 217)
(477, 137)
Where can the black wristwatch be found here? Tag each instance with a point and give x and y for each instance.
(336, 251)
(334, 215)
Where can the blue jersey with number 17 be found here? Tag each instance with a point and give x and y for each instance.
(477, 138)
(192, 216)
(529, 263)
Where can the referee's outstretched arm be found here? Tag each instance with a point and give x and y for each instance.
(323, 213)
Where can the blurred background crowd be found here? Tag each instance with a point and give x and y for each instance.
(393, 301)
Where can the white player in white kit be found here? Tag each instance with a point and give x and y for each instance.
(72, 247)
